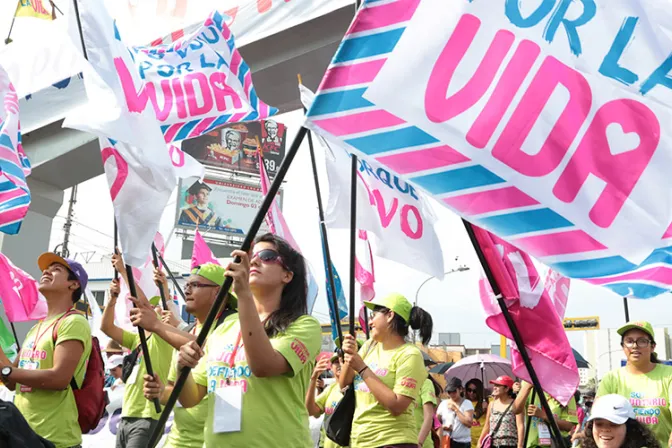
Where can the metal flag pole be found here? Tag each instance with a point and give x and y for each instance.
(79, 26)
(141, 333)
(171, 275)
(220, 300)
(16, 338)
(155, 262)
(555, 430)
(116, 246)
(323, 235)
(626, 309)
(353, 237)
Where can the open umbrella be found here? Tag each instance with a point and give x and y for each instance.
(483, 367)
(581, 362)
(428, 359)
(441, 368)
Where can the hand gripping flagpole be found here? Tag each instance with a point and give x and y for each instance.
(325, 240)
(155, 262)
(223, 293)
(555, 430)
(141, 333)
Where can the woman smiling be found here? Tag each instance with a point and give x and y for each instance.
(612, 424)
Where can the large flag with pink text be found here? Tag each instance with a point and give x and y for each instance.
(546, 126)
(532, 309)
(192, 86)
(14, 165)
(19, 294)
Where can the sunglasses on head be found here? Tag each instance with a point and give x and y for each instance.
(270, 256)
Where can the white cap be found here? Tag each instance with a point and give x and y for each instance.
(114, 361)
(615, 408)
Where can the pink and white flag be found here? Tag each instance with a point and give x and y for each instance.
(557, 287)
(364, 273)
(18, 290)
(531, 308)
(201, 253)
(278, 226)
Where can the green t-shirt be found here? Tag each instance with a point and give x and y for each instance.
(650, 394)
(403, 371)
(160, 352)
(274, 402)
(427, 395)
(188, 424)
(567, 414)
(327, 402)
(53, 413)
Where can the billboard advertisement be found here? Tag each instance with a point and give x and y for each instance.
(219, 206)
(235, 146)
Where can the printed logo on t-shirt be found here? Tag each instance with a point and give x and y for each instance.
(647, 410)
(409, 382)
(224, 375)
(328, 410)
(301, 350)
(29, 352)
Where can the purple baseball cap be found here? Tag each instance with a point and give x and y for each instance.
(48, 258)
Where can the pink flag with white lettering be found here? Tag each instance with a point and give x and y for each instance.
(557, 286)
(532, 309)
(201, 253)
(19, 293)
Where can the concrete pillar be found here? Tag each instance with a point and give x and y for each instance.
(33, 239)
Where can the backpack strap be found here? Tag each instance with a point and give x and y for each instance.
(54, 337)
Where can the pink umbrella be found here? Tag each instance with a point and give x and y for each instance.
(483, 367)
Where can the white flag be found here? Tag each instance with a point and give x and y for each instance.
(141, 171)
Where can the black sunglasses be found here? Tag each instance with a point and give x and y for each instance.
(270, 256)
(469, 389)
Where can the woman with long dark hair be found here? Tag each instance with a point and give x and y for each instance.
(425, 408)
(612, 424)
(642, 379)
(387, 374)
(258, 362)
(473, 391)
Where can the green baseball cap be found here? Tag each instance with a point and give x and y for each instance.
(211, 271)
(215, 273)
(637, 325)
(395, 302)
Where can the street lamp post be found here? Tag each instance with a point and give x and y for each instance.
(460, 268)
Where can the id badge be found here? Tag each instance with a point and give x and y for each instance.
(544, 434)
(134, 375)
(228, 409)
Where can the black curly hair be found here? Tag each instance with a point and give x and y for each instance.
(636, 436)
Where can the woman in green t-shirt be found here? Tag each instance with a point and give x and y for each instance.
(647, 384)
(387, 374)
(258, 362)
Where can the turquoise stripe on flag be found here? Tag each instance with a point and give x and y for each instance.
(389, 141)
(367, 46)
(11, 229)
(639, 290)
(16, 202)
(457, 179)
(524, 222)
(184, 131)
(6, 141)
(328, 103)
(11, 168)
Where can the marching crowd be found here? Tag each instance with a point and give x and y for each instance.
(254, 383)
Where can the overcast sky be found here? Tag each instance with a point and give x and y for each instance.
(453, 302)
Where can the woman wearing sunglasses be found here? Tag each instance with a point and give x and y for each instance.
(474, 393)
(387, 374)
(258, 363)
(647, 383)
